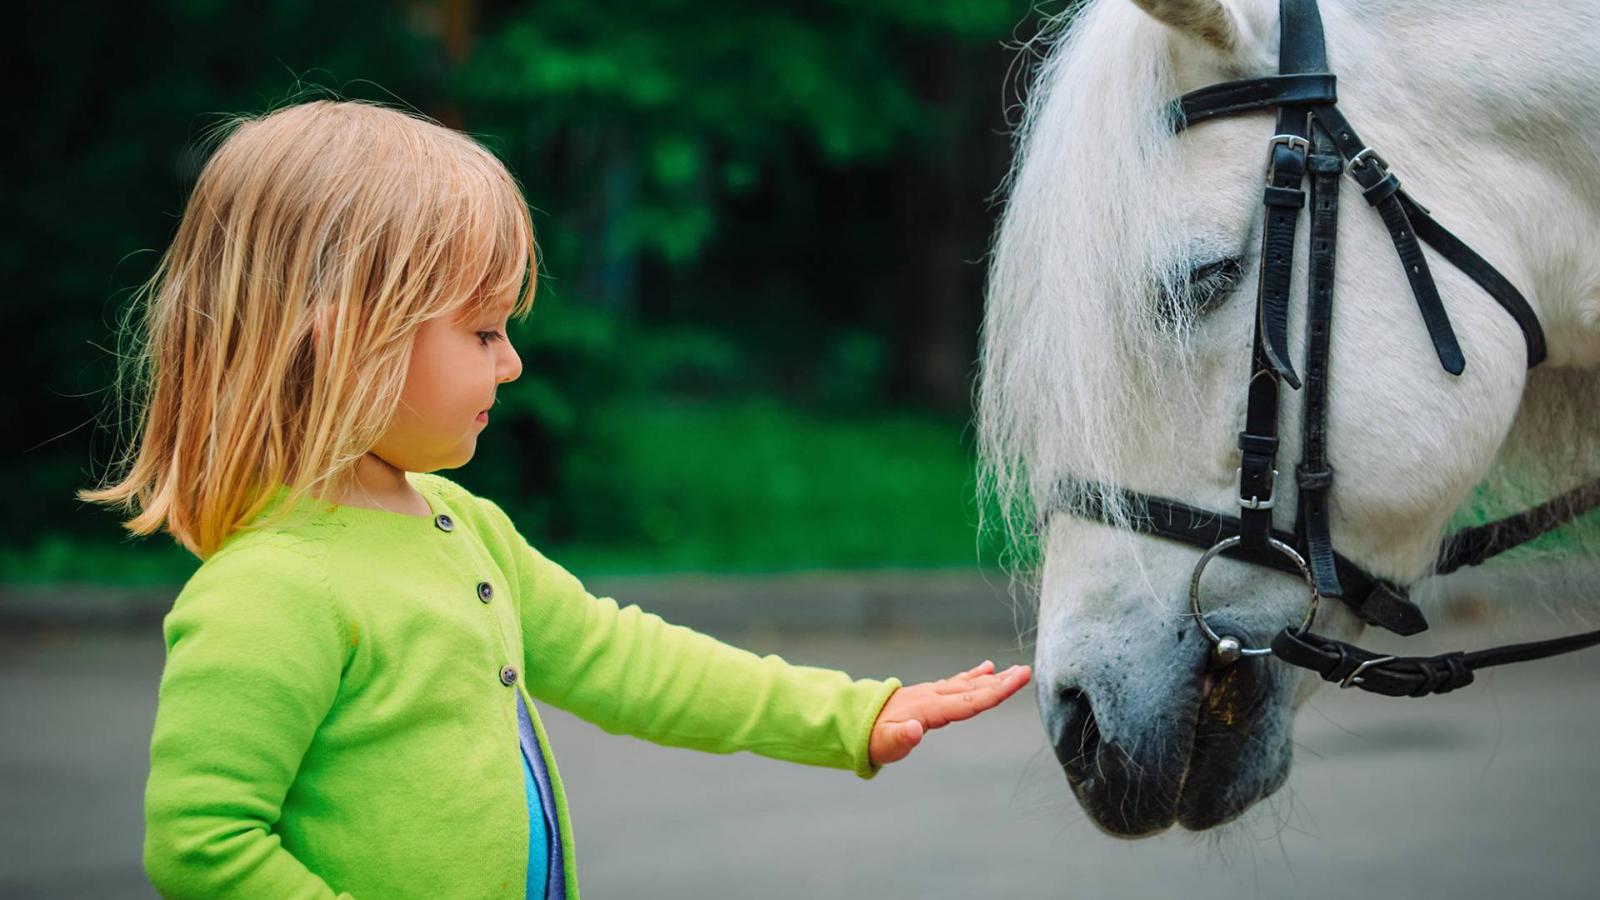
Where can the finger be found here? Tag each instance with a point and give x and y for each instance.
(911, 732)
(957, 684)
(993, 690)
(962, 681)
(966, 681)
(986, 693)
(893, 741)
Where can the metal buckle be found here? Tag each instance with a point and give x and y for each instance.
(1368, 156)
(1287, 140)
(1354, 678)
(1254, 502)
(1227, 650)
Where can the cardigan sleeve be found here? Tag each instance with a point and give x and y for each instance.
(254, 654)
(630, 672)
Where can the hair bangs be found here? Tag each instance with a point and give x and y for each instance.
(493, 257)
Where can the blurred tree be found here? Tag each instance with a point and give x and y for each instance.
(655, 121)
(785, 199)
(101, 148)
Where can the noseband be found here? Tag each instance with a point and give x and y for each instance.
(1313, 141)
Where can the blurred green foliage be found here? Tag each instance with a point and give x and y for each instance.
(752, 486)
(755, 486)
(759, 229)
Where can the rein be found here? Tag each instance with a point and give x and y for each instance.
(1314, 142)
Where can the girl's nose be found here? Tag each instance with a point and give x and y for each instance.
(510, 368)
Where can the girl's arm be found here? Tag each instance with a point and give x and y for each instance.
(252, 668)
(632, 673)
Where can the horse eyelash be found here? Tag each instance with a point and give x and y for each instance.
(1210, 283)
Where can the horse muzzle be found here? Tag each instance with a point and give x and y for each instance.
(1198, 751)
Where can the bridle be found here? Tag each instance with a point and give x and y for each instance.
(1314, 141)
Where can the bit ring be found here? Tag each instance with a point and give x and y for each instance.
(1228, 649)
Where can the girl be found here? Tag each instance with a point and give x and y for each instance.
(347, 703)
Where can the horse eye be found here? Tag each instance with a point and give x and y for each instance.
(1207, 285)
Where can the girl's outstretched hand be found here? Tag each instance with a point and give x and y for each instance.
(913, 710)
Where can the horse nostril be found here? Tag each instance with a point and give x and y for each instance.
(1124, 796)
(1077, 735)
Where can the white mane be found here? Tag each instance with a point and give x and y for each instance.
(1056, 288)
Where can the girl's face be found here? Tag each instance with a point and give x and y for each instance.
(455, 367)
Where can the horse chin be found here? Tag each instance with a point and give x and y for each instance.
(1240, 751)
(1206, 803)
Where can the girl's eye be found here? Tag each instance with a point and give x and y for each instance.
(484, 337)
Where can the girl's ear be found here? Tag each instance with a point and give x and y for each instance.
(1207, 20)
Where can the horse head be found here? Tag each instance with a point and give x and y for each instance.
(1121, 308)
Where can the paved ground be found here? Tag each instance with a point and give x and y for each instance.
(1486, 794)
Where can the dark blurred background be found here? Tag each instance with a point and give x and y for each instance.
(762, 227)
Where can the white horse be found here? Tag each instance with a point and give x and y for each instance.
(1117, 335)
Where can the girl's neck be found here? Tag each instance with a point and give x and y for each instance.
(379, 485)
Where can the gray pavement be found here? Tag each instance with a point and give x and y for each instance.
(1491, 792)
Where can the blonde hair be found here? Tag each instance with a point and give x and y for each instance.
(277, 327)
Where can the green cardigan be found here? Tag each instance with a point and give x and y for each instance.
(335, 719)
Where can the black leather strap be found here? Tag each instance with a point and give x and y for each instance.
(1302, 49)
(1258, 442)
(1381, 189)
(1269, 360)
(1471, 546)
(1300, 52)
(1304, 82)
(1478, 269)
(1381, 603)
(1421, 676)
(1303, 78)
(1409, 676)
(1283, 200)
(1250, 95)
(1314, 476)
(1374, 600)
